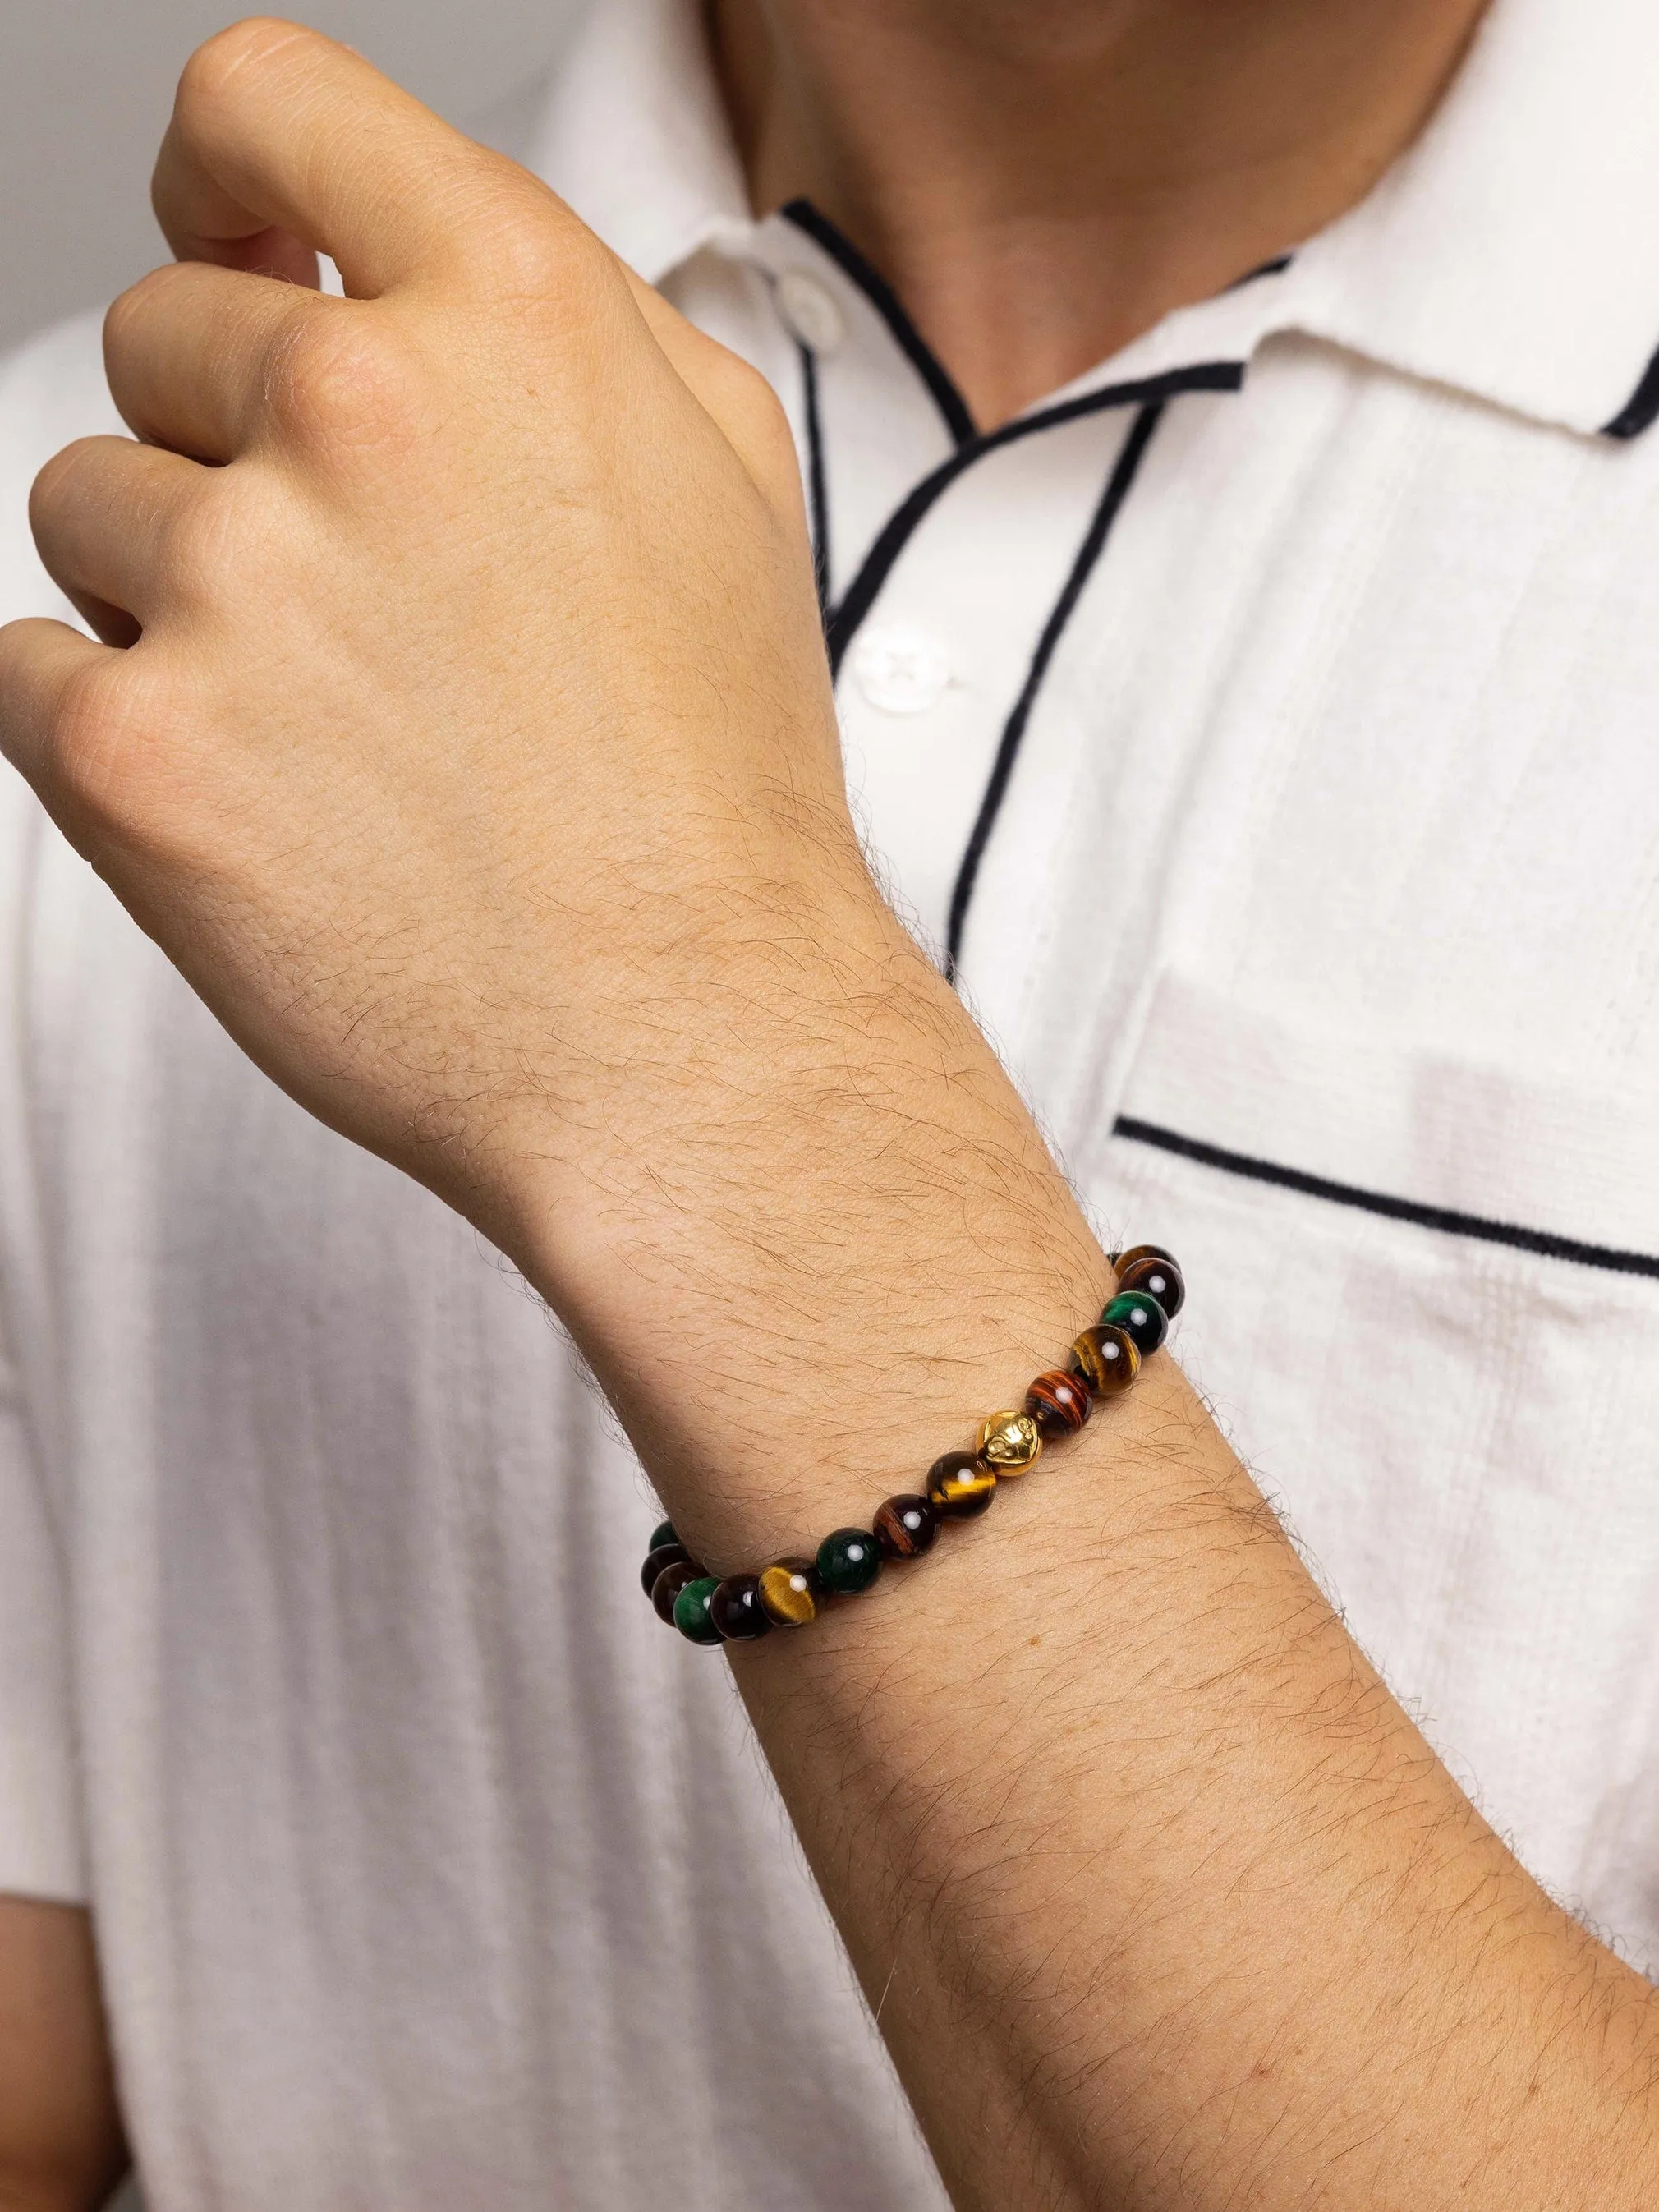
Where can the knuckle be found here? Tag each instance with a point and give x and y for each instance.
(533, 249)
(133, 306)
(52, 484)
(340, 378)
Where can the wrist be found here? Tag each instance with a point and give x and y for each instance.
(812, 1236)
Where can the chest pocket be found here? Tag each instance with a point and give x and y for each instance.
(1424, 1299)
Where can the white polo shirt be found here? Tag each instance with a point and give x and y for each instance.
(1269, 727)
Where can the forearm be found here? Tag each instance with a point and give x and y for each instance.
(1159, 1896)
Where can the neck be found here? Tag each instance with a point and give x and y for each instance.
(1042, 180)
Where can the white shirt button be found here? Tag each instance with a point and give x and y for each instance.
(810, 311)
(900, 668)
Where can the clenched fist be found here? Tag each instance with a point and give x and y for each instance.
(461, 727)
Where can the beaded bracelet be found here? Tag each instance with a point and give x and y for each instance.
(1105, 1359)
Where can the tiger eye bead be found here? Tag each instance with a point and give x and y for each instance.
(691, 1610)
(848, 1561)
(788, 1593)
(1138, 1316)
(669, 1585)
(1150, 1268)
(1058, 1403)
(960, 1485)
(661, 1535)
(906, 1527)
(736, 1609)
(1107, 1359)
(1008, 1442)
(660, 1556)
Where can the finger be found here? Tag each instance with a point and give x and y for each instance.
(40, 661)
(105, 513)
(188, 350)
(278, 129)
(743, 405)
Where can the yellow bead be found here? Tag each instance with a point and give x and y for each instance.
(1009, 1442)
(788, 1593)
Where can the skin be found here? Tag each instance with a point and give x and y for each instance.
(60, 2136)
(1044, 181)
(464, 736)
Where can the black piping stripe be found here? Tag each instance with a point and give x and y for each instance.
(958, 418)
(861, 594)
(1640, 410)
(817, 486)
(1445, 1219)
(1124, 471)
(1276, 267)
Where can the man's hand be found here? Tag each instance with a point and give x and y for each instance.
(462, 699)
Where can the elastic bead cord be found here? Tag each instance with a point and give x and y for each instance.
(1105, 1360)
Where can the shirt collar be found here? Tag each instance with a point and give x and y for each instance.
(1508, 254)
(634, 136)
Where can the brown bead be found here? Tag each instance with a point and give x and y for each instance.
(737, 1612)
(1009, 1442)
(669, 1585)
(788, 1593)
(1058, 1403)
(960, 1484)
(1149, 1269)
(906, 1527)
(1107, 1358)
(658, 1557)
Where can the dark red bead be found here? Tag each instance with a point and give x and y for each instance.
(665, 1555)
(736, 1609)
(669, 1585)
(905, 1527)
(1058, 1403)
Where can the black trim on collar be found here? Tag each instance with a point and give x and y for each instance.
(1445, 1219)
(1124, 471)
(1276, 267)
(817, 486)
(901, 525)
(1640, 410)
(958, 418)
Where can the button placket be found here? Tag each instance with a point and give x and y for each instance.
(901, 668)
(810, 312)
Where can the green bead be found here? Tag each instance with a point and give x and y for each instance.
(1142, 1320)
(848, 1561)
(691, 1610)
(661, 1535)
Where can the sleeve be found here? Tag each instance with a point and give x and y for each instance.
(52, 389)
(40, 1841)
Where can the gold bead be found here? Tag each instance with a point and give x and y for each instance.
(1009, 1442)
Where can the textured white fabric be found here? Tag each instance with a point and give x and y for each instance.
(431, 1872)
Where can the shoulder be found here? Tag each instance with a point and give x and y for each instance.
(52, 390)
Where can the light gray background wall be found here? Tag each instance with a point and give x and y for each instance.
(85, 87)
